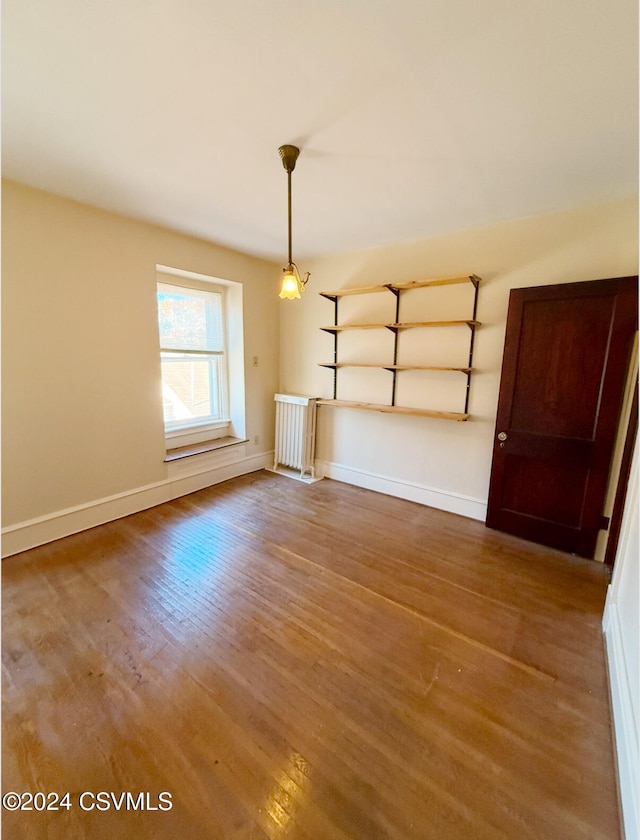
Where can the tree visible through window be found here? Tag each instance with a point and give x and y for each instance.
(192, 345)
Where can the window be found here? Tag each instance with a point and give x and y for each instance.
(201, 353)
(192, 349)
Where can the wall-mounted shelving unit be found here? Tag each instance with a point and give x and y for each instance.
(397, 326)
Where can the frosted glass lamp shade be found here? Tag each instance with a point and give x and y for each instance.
(290, 284)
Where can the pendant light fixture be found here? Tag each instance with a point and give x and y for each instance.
(292, 283)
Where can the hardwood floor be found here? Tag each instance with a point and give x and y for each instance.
(315, 662)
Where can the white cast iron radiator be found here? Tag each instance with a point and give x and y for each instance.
(295, 435)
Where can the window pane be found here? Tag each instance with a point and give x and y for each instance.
(190, 387)
(189, 320)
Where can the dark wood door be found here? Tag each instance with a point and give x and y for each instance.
(566, 357)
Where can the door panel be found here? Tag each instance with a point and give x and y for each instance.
(535, 487)
(561, 364)
(567, 349)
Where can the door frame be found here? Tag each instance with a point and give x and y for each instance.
(623, 482)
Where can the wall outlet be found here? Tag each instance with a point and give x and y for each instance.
(255, 361)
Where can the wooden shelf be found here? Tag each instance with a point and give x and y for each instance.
(391, 367)
(407, 325)
(361, 290)
(401, 287)
(396, 327)
(335, 328)
(397, 409)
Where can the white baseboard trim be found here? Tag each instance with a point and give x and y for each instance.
(625, 725)
(181, 481)
(424, 495)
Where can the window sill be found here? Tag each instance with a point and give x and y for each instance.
(200, 448)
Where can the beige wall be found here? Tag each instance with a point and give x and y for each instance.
(81, 409)
(438, 462)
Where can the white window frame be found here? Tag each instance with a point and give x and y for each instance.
(183, 433)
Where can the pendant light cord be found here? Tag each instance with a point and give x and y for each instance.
(289, 206)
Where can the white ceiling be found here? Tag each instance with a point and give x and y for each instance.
(415, 117)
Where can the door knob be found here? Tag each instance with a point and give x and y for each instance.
(502, 436)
